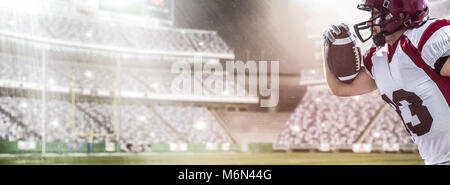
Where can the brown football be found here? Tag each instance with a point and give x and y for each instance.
(344, 56)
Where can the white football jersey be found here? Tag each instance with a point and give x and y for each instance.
(405, 76)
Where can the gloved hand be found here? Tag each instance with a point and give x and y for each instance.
(328, 34)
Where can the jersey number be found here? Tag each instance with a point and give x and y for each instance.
(416, 108)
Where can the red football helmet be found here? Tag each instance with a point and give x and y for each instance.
(416, 12)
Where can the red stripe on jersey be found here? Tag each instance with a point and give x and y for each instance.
(368, 59)
(435, 26)
(442, 82)
(391, 50)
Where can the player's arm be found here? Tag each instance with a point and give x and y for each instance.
(362, 84)
(445, 70)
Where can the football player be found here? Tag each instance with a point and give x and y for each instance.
(409, 64)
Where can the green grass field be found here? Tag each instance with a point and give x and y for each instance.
(223, 159)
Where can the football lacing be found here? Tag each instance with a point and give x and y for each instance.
(357, 57)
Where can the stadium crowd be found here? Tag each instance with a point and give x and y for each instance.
(135, 125)
(322, 118)
(85, 30)
(388, 129)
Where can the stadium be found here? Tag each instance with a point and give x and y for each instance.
(94, 82)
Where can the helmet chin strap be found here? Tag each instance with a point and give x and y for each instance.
(380, 38)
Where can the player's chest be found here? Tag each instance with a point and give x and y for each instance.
(398, 73)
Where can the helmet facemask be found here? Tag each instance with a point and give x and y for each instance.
(381, 20)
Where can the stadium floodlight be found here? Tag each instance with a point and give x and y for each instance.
(296, 128)
(51, 82)
(376, 134)
(200, 125)
(142, 118)
(24, 105)
(54, 123)
(88, 34)
(155, 85)
(88, 74)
